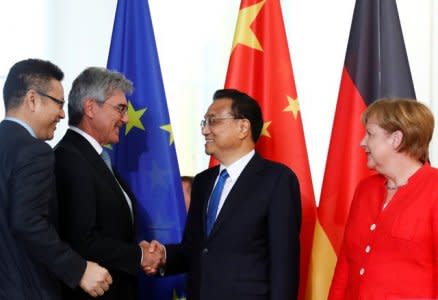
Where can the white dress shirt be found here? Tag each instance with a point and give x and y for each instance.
(99, 150)
(234, 170)
(22, 123)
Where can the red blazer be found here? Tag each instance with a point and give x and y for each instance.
(391, 253)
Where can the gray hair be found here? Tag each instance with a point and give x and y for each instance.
(98, 84)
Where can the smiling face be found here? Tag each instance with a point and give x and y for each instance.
(108, 119)
(223, 136)
(378, 144)
(47, 112)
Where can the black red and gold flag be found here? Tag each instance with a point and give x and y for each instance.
(376, 66)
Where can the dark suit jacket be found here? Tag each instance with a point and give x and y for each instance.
(253, 249)
(95, 217)
(32, 257)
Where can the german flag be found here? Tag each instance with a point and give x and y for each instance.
(376, 66)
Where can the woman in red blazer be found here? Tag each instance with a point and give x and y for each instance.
(390, 247)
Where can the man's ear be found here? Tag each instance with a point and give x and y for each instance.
(244, 128)
(89, 108)
(30, 100)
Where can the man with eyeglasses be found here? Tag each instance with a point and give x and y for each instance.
(96, 207)
(241, 239)
(33, 259)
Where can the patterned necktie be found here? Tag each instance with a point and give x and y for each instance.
(107, 159)
(214, 200)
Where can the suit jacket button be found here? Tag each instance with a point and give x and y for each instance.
(205, 251)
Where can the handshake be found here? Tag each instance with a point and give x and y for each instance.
(154, 256)
(96, 280)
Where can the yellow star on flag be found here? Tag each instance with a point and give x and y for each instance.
(293, 106)
(244, 34)
(134, 118)
(168, 128)
(176, 297)
(265, 131)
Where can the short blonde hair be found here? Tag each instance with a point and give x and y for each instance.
(412, 118)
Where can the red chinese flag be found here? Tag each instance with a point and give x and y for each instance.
(260, 66)
(376, 66)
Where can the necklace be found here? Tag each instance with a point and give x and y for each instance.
(395, 187)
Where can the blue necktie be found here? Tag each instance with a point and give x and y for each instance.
(214, 200)
(107, 159)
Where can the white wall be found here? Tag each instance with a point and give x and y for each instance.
(194, 41)
(22, 34)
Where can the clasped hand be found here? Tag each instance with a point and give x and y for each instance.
(153, 256)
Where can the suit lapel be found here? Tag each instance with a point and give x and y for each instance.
(209, 184)
(89, 153)
(241, 189)
(131, 196)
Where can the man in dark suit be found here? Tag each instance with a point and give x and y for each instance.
(241, 239)
(32, 257)
(97, 210)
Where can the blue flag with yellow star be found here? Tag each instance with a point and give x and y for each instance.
(145, 156)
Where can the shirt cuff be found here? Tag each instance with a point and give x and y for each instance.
(141, 260)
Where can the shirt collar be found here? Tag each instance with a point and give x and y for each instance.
(237, 167)
(89, 138)
(22, 123)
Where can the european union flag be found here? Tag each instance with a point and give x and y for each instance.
(145, 156)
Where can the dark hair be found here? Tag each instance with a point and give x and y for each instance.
(28, 74)
(244, 107)
(188, 179)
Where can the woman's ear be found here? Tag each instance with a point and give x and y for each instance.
(397, 138)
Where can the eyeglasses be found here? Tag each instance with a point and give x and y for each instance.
(212, 121)
(122, 109)
(56, 100)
